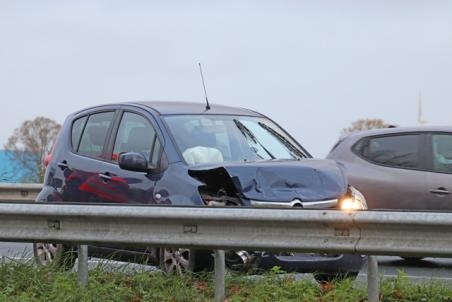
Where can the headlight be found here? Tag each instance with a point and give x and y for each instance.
(353, 200)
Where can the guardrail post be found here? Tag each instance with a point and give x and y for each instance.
(219, 276)
(82, 265)
(373, 280)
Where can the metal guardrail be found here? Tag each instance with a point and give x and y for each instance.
(19, 191)
(325, 231)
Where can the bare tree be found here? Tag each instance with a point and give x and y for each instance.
(366, 124)
(30, 143)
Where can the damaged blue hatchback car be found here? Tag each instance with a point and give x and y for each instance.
(172, 153)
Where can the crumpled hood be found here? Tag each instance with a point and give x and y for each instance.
(282, 180)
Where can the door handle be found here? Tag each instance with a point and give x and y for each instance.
(105, 176)
(440, 191)
(63, 165)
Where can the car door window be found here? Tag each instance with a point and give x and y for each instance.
(95, 133)
(442, 153)
(156, 152)
(77, 128)
(396, 151)
(135, 134)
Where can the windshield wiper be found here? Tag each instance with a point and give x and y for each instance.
(283, 140)
(248, 134)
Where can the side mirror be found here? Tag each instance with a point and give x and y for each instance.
(133, 161)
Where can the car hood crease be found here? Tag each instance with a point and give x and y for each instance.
(283, 180)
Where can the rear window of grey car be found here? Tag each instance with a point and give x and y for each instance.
(94, 134)
(401, 151)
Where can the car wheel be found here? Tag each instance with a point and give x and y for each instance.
(54, 255)
(328, 278)
(176, 260)
(182, 260)
(412, 258)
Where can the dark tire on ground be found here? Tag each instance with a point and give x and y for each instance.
(327, 278)
(57, 256)
(181, 260)
(412, 258)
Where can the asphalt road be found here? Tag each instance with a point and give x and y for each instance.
(421, 270)
(425, 269)
(16, 250)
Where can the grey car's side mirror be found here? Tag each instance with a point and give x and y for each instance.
(133, 161)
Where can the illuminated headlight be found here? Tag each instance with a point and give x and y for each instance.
(353, 200)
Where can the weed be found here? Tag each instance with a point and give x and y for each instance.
(25, 282)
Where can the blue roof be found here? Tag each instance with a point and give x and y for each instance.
(9, 170)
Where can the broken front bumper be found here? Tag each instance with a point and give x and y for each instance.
(314, 263)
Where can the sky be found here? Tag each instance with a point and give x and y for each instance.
(312, 66)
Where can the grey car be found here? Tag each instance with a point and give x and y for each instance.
(399, 168)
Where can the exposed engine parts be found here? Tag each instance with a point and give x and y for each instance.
(218, 189)
(221, 199)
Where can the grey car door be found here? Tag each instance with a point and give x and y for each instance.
(439, 177)
(388, 170)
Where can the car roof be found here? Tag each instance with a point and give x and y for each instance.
(395, 130)
(172, 107)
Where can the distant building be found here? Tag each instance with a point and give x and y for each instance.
(9, 170)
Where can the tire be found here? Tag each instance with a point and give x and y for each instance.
(56, 256)
(182, 260)
(412, 259)
(328, 278)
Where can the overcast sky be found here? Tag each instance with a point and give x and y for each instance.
(313, 66)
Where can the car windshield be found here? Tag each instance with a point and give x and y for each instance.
(204, 139)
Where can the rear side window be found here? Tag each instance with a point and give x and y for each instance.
(401, 151)
(77, 128)
(95, 133)
(442, 153)
(135, 134)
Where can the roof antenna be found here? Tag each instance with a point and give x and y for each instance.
(204, 85)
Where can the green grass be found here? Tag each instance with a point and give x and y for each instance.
(25, 282)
